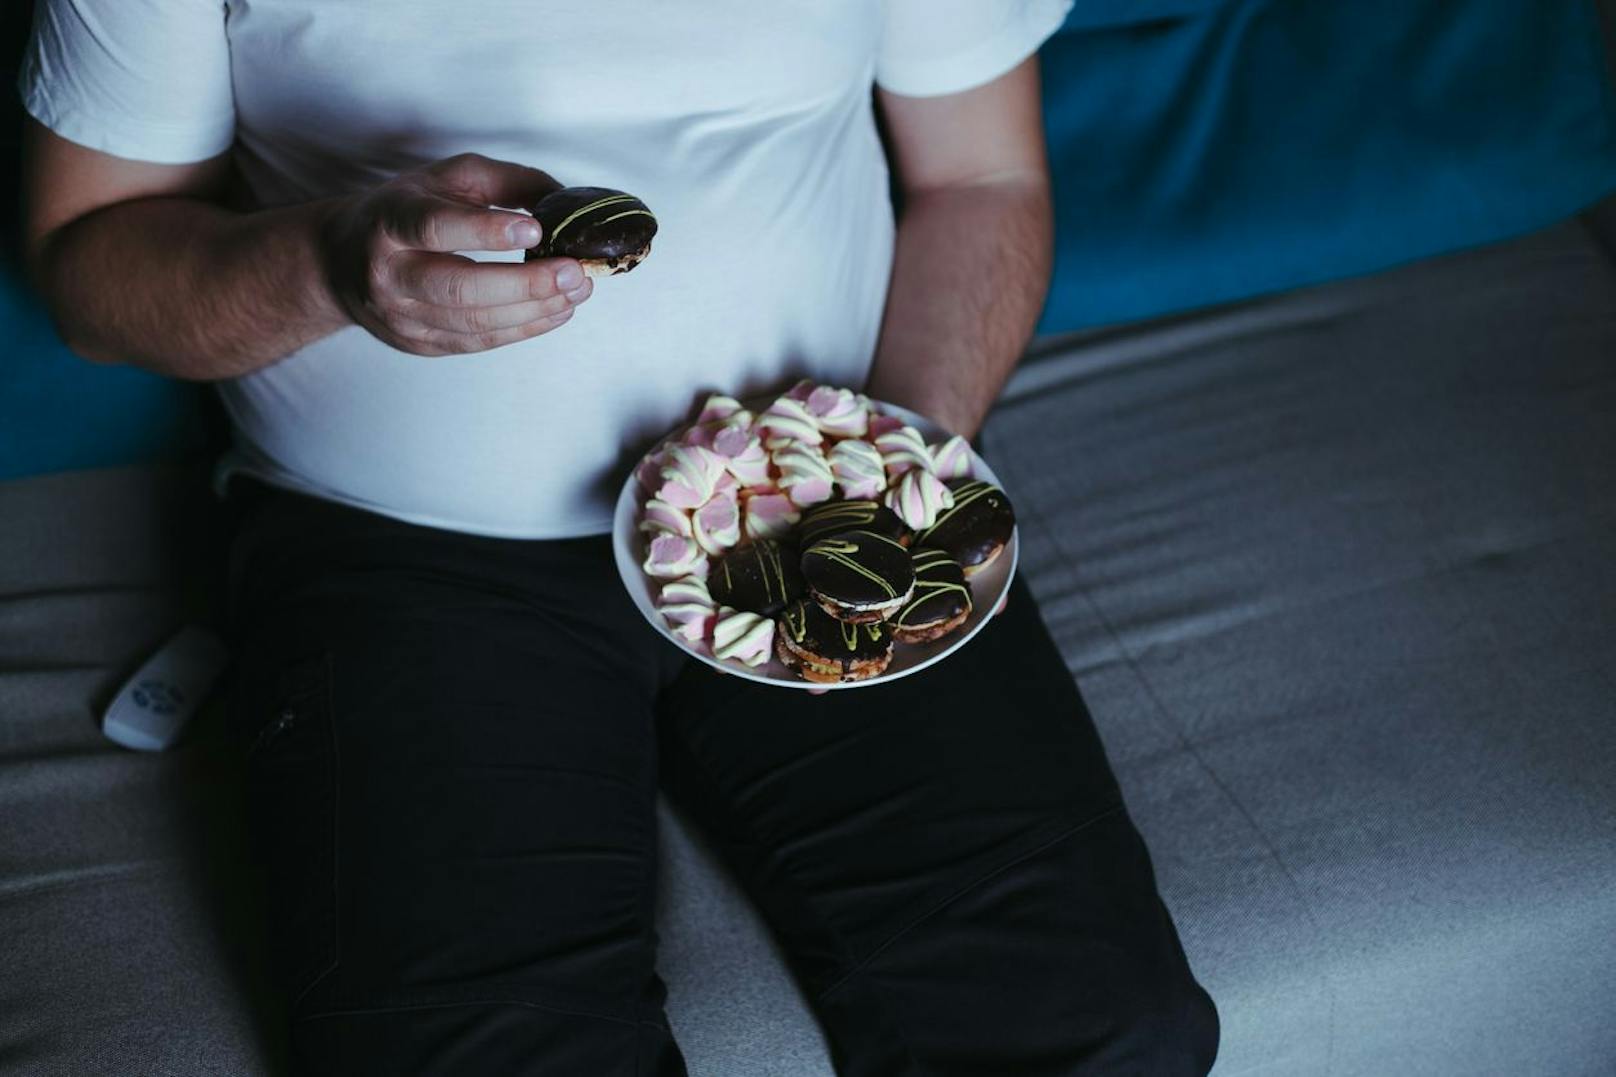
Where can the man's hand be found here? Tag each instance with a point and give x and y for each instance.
(391, 266)
(154, 265)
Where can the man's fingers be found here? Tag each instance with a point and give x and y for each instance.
(817, 691)
(473, 320)
(447, 280)
(425, 340)
(487, 182)
(441, 224)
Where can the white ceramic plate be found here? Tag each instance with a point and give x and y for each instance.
(988, 587)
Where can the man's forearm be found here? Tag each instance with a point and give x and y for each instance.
(188, 289)
(969, 279)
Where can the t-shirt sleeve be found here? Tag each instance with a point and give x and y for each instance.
(933, 47)
(147, 80)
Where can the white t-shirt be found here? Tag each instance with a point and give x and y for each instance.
(747, 127)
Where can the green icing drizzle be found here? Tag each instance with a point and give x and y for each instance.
(599, 203)
(629, 213)
(838, 551)
(928, 590)
(796, 619)
(968, 492)
(856, 512)
(768, 555)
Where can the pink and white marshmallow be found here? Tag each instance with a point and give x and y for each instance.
(743, 455)
(671, 556)
(788, 420)
(902, 450)
(719, 408)
(805, 475)
(918, 497)
(701, 434)
(839, 412)
(689, 476)
(801, 391)
(951, 459)
(859, 469)
(661, 516)
(747, 638)
(881, 423)
(649, 471)
(770, 516)
(688, 607)
(716, 526)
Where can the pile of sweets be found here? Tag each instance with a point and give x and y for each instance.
(818, 530)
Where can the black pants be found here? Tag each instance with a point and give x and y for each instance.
(455, 744)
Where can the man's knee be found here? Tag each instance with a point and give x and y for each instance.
(1168, 1028)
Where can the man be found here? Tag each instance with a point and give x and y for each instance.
(454, 719)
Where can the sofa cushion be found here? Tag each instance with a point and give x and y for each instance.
(1337, 574)
(1210, 150)
(59, 412)
(130, 939)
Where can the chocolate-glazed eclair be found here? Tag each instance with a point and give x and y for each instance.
(941, 601)
(833, 517)
(607, 231)
(858, 576)
(819, 648)
(975, 529)
(760, 578)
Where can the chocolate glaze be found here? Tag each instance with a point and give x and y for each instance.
(979, 523)
(760, 578)
(858, 569)
(941, 593)
(812, 631)
(833, 517)
(594, 223)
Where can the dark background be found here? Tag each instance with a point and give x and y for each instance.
(15, 19)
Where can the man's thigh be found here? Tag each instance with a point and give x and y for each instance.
(452, 780)
(947, 862)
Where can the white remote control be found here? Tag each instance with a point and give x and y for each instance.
(153, 706)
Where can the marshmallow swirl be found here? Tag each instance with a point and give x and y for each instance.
(672, 556)
(688, 607)
(903, 450)
(742, 453)
(859, 469)
(716, 526)
(839, 412)
(951, 459)
(689, 476)
(661, 516)
(770, 516)
(788, 420)
(748, 638)
(718, 407)
(917, 498)
(805, 474)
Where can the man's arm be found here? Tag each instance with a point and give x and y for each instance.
(974, 246)
(141, 263)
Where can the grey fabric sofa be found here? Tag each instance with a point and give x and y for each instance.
(1335, 570)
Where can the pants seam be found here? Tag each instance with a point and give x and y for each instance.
(328, 706)
(864, 961)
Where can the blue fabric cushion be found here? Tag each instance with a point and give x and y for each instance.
(58, 411)
(1211, 150)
